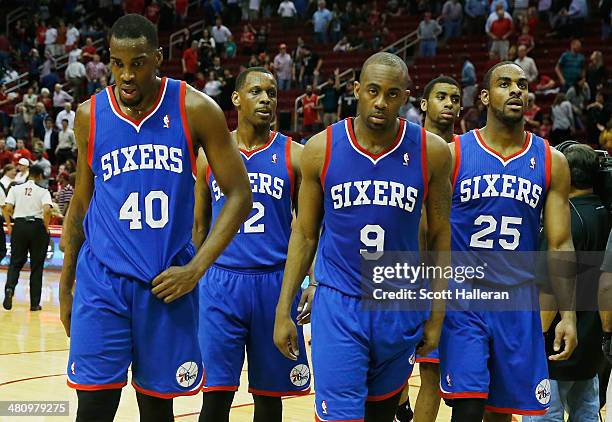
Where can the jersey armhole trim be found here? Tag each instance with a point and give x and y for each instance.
(327, 156)
(92, 129)
(548, 164)
(289, 166)
(208, 174)
(424, 163)
(457, 141)
(183, 91)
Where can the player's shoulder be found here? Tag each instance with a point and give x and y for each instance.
(198, 101)
(436, 146)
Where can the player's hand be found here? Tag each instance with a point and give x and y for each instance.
(285, 336)
(606, 346)
(565, 332)
(174, 283)
(65, 300)
(305, 305)
(431, 335)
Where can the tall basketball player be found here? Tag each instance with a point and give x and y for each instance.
(128, 232)
(239, 293)
(504, 179)
(441, 104)
(364, 180)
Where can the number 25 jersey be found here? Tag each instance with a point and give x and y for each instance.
(140, 217)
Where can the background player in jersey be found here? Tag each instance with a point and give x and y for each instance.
(130, 223)
(441, 104)
(503, 179)
(239, 293)
(359, 356)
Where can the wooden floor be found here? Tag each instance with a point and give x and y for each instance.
(34, 352)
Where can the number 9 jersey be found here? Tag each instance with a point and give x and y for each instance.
(141, 214)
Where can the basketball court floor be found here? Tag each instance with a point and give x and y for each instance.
(34, 352)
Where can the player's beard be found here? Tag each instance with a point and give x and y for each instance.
(506, 119)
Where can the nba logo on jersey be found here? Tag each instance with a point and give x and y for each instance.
(166, 122)
(406, 159)
(532, 163)
(274, 158)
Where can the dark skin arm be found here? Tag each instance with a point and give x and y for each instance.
(605, 301)
(202, 212)
(437, 206)
(209, 130)
(561, 260)
(302, 244)
(73, 235)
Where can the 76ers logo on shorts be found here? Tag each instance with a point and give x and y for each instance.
(299, 375)
(542, 392)
(187, 374)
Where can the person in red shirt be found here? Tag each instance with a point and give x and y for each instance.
(6, 156)
(190, 62)
(500, 31)
(152, 12)
(526, 39)
(247, 40)
(181, 11)
(7, 107)
(22, 151)
(133, 6)
(89, 51)
(311, 107)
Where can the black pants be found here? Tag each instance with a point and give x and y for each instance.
(33, 238)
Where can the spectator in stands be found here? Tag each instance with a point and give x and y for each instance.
(527, 64)
(474, 118)
(51, 46)
(496, 3)
(60, 98)
(347, 103)
(76, 76)
(261, 39)
(45, 98)
(452, 16)
(495, 15)
(50, 80)
(95, 70)
(6, 107)
(200, 81)
(23, 171)
(213, 86)
(43, 163)
(133, 6)
(596, 74)
(329, 100)
(388, 37)
(247, 40)
(34, 66)
(577, 13)
(578, 95)
(310, 110)
(532, 113)
(153, 12)
(22, 151)
(411, 111)
(468, 82)
(605, 138)
(311, 66)
(221, 35)
(38, 120)
(526, 39)
(230, 47)
(476, 12)
(19, 126)
(321, 20)
(605, 11)
(29, 102)
(39, 40)
(358, 41)
(6, 157)
(216, 67)
(228, 85)
(72, 37)
(180, 11)
(520, 9)
(570, 66)
(9, 171)
(344, 46)
(499, 32)
(75, 54)
(288, 13)
(66, 114)
(598, 114)
(65, 191)
(563, 124)
(546, 85)
(62, 30)
(66, 146)
(89, 51)
(50, 138)
(283, 68)
(190, 62)
(335, 26)
(427, 34)
(254, 9)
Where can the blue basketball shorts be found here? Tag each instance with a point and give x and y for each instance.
(117, 321)
(237, 310)
(433, 357)
(359, 355)
(498, 356)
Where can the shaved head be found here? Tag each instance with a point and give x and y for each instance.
(391, 60)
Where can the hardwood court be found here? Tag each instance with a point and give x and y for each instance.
(34, 352)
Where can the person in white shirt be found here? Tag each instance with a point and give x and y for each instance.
(50, 41)
(68, 114)
(66, 146)
(76, 75)
(287, 12)
(23, 171)
(60, 97)
(8, 177)
(72, 37)
(221, 34)
(2, 235)
(213, 86)
(527, 64)
(27, 213)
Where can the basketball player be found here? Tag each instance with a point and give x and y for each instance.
(239, 293)
(441, 104)
(127, 236)
(504, 178)
(364, 180)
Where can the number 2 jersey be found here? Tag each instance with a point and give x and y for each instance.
(263, 239)
(372, 202)
(497, 206)
(141, 214)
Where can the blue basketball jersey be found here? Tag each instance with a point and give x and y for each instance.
(141, 214)
(497, 204)
(372, 202)
(263, 239)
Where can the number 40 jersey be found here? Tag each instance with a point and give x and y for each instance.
(497, 204)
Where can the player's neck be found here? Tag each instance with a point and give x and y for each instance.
(499, 135)
(250, 137)
(371, 140)
(444, 132)
(148, 100)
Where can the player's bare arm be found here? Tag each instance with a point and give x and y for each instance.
(73, 235)
(605, 301)
(437, 207)
(46, 216)
(7, 213)
(302, 243)
(209, 129)
(561, 262)
(202, 210)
